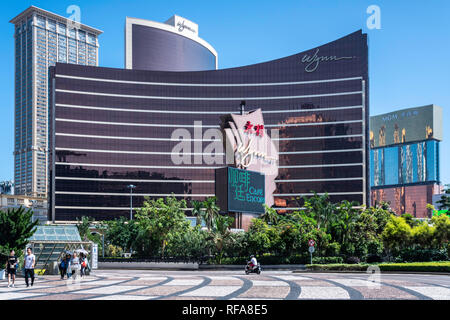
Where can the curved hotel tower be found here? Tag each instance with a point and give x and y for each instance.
(114, 127)
(170, 46)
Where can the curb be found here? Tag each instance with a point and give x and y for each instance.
(192, 267)
(240, 267)
(365, 272)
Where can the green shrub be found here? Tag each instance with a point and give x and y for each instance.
(327, 260)
(404, 267)
(265, 260)
(333, 249)
(417, 266)
(114, 251)
(352, 260)
(422, 255)
(337, 267)
(374, 258)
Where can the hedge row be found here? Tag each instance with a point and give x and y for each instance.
(417, 266)
(412, 267)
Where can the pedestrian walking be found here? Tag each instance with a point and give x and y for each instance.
(63, 266)
(75, 266)
(69, 265)
(84, 264)
(11, 268)
(30, 261)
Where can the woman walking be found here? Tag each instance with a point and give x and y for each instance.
(75, 266)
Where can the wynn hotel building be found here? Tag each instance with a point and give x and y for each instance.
(114, 127)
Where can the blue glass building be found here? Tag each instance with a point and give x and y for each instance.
(404, 158)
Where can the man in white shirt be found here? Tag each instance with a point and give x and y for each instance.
(30, 261)
(253, 262)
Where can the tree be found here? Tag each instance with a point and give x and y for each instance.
(410, 220)
(191, 243)
(397, 234)
(211, 211)
(343, 222)
(158, 218)
(423, 234)
(321, 209)
(261, 237)
(16, 227)
(122, 233)
(83, 227)
(441, 226)
(197, 211)
(270, 215)
(220, 234)
(444, 203)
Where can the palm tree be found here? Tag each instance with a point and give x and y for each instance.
(211, 211)
(220, 234)
(270, 215)
(83, 226)
(321, 209)
(197, 211)
(347, 215)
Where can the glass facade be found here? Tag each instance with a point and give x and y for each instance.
(404, 159)
(41, 40)
(405, 164)
(115, 127)
(156, 49)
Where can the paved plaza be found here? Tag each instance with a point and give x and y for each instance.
(230, 285)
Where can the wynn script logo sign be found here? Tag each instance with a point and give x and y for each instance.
(181, 26)
(313, 62)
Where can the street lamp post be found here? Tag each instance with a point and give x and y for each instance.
(131, 200)
(103, 241)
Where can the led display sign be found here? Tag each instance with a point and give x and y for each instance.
(240, 190)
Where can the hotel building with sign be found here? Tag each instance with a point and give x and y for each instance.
(404, 159)
(114, 127)
(171, 46)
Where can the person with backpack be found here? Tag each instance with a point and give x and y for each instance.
(63, 267)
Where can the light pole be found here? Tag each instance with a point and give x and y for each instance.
(131, 200)
(103, 242)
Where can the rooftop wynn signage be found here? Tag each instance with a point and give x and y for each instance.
(312, 62)
(183, 26)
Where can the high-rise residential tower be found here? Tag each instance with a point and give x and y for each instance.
(41, 39)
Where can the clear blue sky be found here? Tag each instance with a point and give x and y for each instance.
(409, 56)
